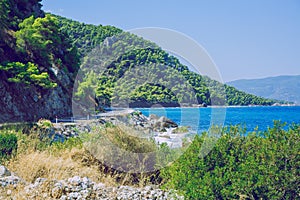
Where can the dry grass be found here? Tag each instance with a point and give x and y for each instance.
(53, 166)
(128, 139)
(123, 155)
(37, 159)
(63, 165)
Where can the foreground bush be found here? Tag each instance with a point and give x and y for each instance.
(8, 144)
(81, 156)
(263, 165)
(122, 154)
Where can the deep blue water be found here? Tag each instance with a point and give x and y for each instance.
(200, 119)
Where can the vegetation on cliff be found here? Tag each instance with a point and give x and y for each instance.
(38, 63)
(43, 53)
(39, 48)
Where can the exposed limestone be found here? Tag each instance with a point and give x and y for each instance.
(7, 178)
(22, 103)
(83, 188)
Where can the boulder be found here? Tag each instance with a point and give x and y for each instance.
(4, 171)
(167, 123)
(153, 117)
(7, 178)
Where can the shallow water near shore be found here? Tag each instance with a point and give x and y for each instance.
(200, 119)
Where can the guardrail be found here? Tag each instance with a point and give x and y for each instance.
(91, 117)
(74, 119)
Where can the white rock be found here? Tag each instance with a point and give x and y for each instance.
(8, 192)
(75, 195)
(75, 180)
(4, 171)
(85, 180)
(63, 197)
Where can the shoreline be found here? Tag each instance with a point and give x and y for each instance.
(215, 106)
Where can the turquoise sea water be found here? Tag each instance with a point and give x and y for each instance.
(200, 119)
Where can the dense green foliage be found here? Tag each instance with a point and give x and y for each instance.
(28, 74)
(236, 97)
(121, 53)
(262, 165)
(8, 144)
(32, 46)
(85, 36)
(13, 12)
(41, 41)
(154, 93)
(133, 71)
(18, 10)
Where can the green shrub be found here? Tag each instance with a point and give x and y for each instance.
(44, 123)
(261, 165)
(181, 129)
(28, 74)
(8, 144)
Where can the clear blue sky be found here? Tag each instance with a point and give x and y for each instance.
(246, 39)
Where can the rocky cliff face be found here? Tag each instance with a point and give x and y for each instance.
(23, 103)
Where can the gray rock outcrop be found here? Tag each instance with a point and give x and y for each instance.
(138, 121)
(83, 188)
(21, 102)
(7, 178)
(4, 172)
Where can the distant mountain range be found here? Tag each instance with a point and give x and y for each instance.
(286, 88)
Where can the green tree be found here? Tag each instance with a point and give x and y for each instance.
(38, 37)
(41, 41)
(22, 9)
(27, 74)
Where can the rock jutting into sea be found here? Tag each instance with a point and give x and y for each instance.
(161, 129)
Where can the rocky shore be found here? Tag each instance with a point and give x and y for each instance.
(161, 129)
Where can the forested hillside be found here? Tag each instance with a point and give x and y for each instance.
(40, 55)
(130, 53)
(85, 36)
